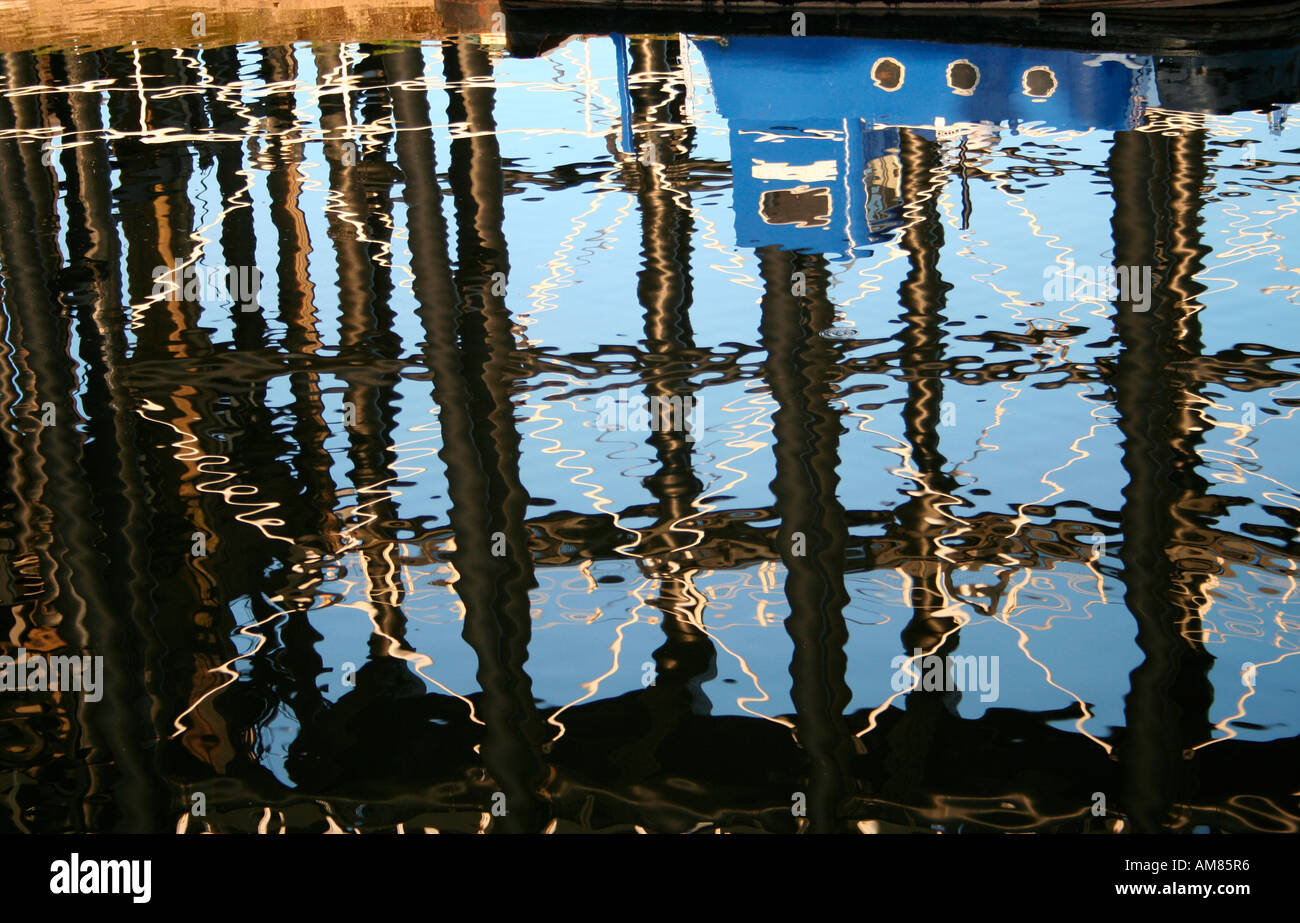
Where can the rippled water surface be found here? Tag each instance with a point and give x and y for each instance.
(327, 377)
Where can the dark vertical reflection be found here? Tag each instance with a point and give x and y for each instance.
(491, 367)
(245, 415)
(94, 255)
(922, 296)
(49, 456)
(238, 231)
(157, 217)
(372, 716)
(297, 291)
(23, 477)
(30, 258)
(20, 71)
(299, 659)
(360, 234)
(152, 199)
(1156, 183)
(919, 521)
(81, 595)
(479, 449)
(800, 370)
(687, 658)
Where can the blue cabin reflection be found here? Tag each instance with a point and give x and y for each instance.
(831, 189)
(814, 122)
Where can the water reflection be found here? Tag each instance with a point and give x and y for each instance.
(532, 494)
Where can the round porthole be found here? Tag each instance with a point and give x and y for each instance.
(1039, 82)
(888, 74)
(963, 77)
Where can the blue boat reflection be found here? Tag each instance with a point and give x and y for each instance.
(814, 121)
